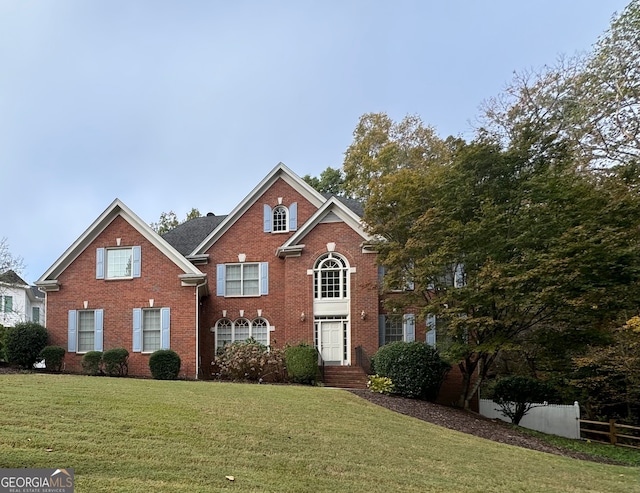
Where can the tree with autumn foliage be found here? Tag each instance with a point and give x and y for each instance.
(501, 241)
(610, 375)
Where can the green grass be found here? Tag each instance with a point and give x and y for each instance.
(624, 455)
(127, 435)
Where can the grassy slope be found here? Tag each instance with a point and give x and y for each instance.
(142, 435)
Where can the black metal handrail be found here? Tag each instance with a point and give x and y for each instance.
(363, 360)
(321, 366)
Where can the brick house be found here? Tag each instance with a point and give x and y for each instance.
(287, 265)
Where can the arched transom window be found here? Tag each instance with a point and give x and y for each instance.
(331, 277)
(228, 332)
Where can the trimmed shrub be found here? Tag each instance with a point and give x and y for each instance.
(164, 364)
(115, 362)
(53, 357)
(380, 385)
(250, 360)
(415, 368)
(92, 363)
(3, 331)
(302, 363)
(517, 395)
(24, 343)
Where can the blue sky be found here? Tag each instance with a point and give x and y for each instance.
(170, 105)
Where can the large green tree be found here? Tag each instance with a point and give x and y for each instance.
(591, 101)
(382, 147)
(331, 180)
(503, 242)
(169, 220)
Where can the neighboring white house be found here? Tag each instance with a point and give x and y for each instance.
(19, 302)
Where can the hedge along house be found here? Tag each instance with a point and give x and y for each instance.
(287, 265)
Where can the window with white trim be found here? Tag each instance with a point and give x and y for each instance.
(86, 330)
(228, 332)
(331, 277)
(118, 263)
(35, 314)
(151, 330)
(280, 219)
(242, 279)
(7, 304)
(394, 328)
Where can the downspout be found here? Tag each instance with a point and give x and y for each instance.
(198, 286)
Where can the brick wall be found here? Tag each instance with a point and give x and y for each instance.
(159, 281)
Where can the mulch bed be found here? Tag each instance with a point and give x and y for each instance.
(470, 423)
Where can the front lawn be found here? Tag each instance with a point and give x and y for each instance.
(128, 435)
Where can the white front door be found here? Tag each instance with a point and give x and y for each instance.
(331, 341)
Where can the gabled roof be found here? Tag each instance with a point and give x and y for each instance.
(189, 234)
(117, 208)
(280, 171)
(10, 277)
(332, 207)
(353, 204)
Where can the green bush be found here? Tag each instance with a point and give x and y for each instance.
(250, 360)
(302, 363)
(164, 364)
(517, 395)
(415, 368)
(53, 357)
(380, 385)
(3, 331)
(24, 343)
(115, 362)
(92, 363)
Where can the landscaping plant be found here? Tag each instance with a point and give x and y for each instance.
(415, 368)
(53, 357)
(24, 342)
(164, 364)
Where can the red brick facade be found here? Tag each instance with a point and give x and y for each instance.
(190, 290)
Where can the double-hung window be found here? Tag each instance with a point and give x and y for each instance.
(118, 263)
(151, 329)
(7, 305)
(394, 328)
(84, 332)
(242, 279)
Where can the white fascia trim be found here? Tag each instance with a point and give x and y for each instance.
(290, 251)
(280, 171)
(115, 209)
(47, 286)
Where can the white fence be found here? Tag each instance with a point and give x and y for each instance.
(554, 419)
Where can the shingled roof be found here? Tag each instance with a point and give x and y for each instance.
(353, 204)
(10, 277)
(187, 236)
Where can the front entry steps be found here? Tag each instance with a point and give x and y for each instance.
(345, 377)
